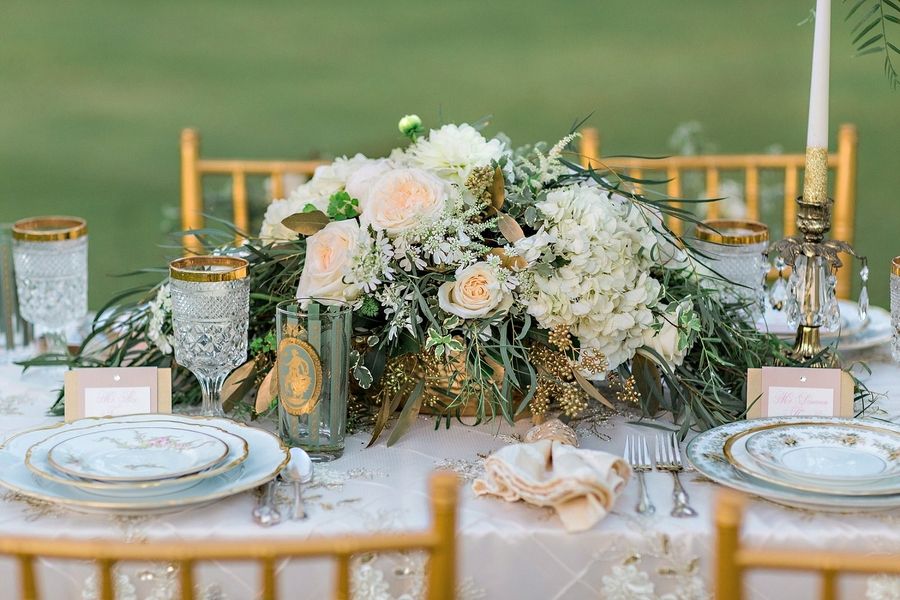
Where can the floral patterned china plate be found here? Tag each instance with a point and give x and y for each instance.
(735, 451)
(266, 458)
(36, 461)
(829, 454)
(146, 453)
(706, 453)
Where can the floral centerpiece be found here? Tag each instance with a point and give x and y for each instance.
(485, 280)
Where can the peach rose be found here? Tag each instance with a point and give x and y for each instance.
(476, 293)
(328, 255)
(403, 198)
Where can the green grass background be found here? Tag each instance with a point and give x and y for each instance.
(93, 93)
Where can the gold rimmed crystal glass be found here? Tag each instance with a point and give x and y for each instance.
(895, 307)
(313, 369)
(736, 250)
(210, 313)
(50, 262)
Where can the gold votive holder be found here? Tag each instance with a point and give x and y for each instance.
(49, 229)
(735, 250)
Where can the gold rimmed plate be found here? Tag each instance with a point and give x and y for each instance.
(735, 452)
(135, 453)
(36, 461)
(266, 458)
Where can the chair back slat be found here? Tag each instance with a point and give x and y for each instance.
(268, 579)
(790, 206)
(673, 189)
(239, 202)
(712, 191)
(194, 168)
(438, 541)
(751, 192)
(106, 579)
(842, 162)
(28, 581)
(186, 579)
(277, 185)
(734, 560)
(342, 578)
(637, 174)
(829, 584)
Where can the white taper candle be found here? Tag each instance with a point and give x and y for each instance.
(817, 132)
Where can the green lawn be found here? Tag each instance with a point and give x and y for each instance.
(94, 93)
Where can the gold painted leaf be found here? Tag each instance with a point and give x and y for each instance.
(267, 391)
(515, 263)
(408, 414)
(306, 223)
(590, 389)
(238, 383)
(498, 190)
(511, 230)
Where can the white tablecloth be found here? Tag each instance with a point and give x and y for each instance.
(506, 550)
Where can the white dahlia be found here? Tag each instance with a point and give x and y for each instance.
(453, 151)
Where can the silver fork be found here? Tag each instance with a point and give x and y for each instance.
(668, 458)
(638, 456)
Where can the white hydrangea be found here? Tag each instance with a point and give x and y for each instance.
(588, 270)
(160, 313)
(452, 151)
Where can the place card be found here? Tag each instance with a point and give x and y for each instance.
(797, 391)
(104, 392)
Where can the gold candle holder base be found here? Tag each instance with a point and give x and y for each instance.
(808, 349)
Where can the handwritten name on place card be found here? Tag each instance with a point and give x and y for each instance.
(791, 402)
(111, 401)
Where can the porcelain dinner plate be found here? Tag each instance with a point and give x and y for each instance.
(735, 451)
(706, 453)
(266, 458)
(828, 454)
(145, 453)
(36, 461)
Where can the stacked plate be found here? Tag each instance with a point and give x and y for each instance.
(139, 463)
(822, 463)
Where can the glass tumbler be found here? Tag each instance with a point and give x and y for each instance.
(736, 250)
(895, 307)
(313, 368)
(50, 263)
(210, 314)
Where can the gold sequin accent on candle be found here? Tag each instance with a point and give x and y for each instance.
(815, 178)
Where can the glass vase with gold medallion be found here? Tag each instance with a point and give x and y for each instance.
(313, 371)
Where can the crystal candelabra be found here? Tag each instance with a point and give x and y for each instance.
(810, 300)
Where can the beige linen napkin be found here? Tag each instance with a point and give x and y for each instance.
(581, 485)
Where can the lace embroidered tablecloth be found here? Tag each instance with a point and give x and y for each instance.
(506, 550)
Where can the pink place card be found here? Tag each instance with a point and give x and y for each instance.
(102, 392)
(792, 392)
(795, 391)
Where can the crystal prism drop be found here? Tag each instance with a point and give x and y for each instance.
(779, 263)
(778, 294)
(864, 273)
(863, 303)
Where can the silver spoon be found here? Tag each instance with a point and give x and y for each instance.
(265, 513)
(297, 472)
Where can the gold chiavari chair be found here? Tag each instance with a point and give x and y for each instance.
(193, 168)
(438, 541)
(842, 162)
(734, 560)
